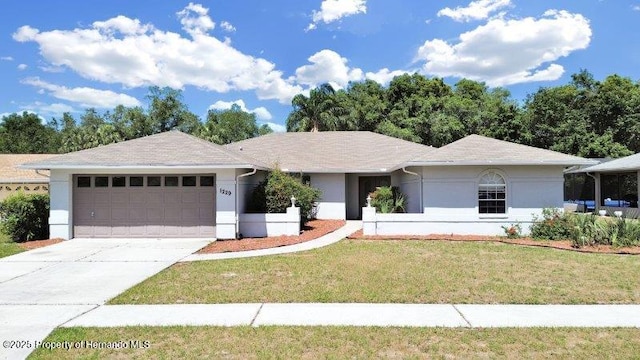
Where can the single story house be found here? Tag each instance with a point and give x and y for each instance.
(175, 185)
(14, 179)
(617, 185)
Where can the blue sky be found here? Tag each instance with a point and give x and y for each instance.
(58, 56)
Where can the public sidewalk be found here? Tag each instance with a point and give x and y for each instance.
(351, 314)
(333, 237)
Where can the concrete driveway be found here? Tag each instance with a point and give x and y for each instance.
(44, 288)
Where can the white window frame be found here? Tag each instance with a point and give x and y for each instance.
(495, 174)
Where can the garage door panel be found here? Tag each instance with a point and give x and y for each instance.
(101, 214)
(102, 197)
(137, 230)
(205, 213)
(155, 215)
(137, 215)
(190, 198)
(154, 197)
(154, 230)
(120, 214)
(144, 211)
(120, 197)
(172, 197)
(103, 230)
(137, 197)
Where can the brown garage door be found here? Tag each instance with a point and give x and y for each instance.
(144, 206)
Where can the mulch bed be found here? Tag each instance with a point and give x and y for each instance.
(312, 230)
(34, 244)
(556, 244)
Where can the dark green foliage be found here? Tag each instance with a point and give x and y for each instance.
(554, 225)
(25, 217)
(273, 195)
(585, 117)
(387, 199)
(227, 126)
(23, 134)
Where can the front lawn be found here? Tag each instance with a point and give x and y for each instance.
(8, 247)
(347, 343)
(401, 272)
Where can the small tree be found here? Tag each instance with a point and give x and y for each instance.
(25, 217)
(273, 195)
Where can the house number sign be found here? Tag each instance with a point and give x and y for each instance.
(225, 192)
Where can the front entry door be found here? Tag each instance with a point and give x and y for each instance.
(367, 185)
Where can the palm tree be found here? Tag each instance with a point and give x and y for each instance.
(318, 112)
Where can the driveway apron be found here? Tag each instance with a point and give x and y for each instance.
(44, 288)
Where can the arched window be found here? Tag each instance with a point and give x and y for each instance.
(492, 191)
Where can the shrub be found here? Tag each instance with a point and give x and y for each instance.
(273, 195)
(554, 225)
(25, 217)
(387, 199)
(594, 230)
(513, 231)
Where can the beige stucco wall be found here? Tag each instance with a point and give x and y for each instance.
(7, 189)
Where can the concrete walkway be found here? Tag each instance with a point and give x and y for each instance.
(331, 238)
(405, 315)
(43, 288)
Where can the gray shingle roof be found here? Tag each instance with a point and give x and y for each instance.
(481, 150)
(627, 163)
(331, 151)
(166, 149)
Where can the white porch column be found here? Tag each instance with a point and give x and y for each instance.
(226, 204)
(598, 191)
(61, 205)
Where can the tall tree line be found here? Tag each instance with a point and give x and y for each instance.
(584, 117)
(25, 133)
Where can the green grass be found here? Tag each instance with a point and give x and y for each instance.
(401, 272)
(8, 247)
(349, 343)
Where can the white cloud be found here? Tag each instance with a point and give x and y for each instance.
(48, 110)
(124, 51)
(384, 76)
(476, 10)
(327, 66)
(226, 26)
(51, 69)
(334, 10)
(635, 7)
(22, 67)
(504, 52)
(276, 127)
(84, 96)
(261, 112)
(6, 58)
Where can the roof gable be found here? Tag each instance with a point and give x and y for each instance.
(481, 150)
(331, 151)
(172, 148)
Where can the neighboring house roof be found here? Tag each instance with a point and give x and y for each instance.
(481, 150)
(168, 149)
(10, 173)
(627, 163)
(331, 151)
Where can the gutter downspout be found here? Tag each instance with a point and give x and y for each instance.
(596, 190)
(45, 175)
(252, 172)
(404, 169)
